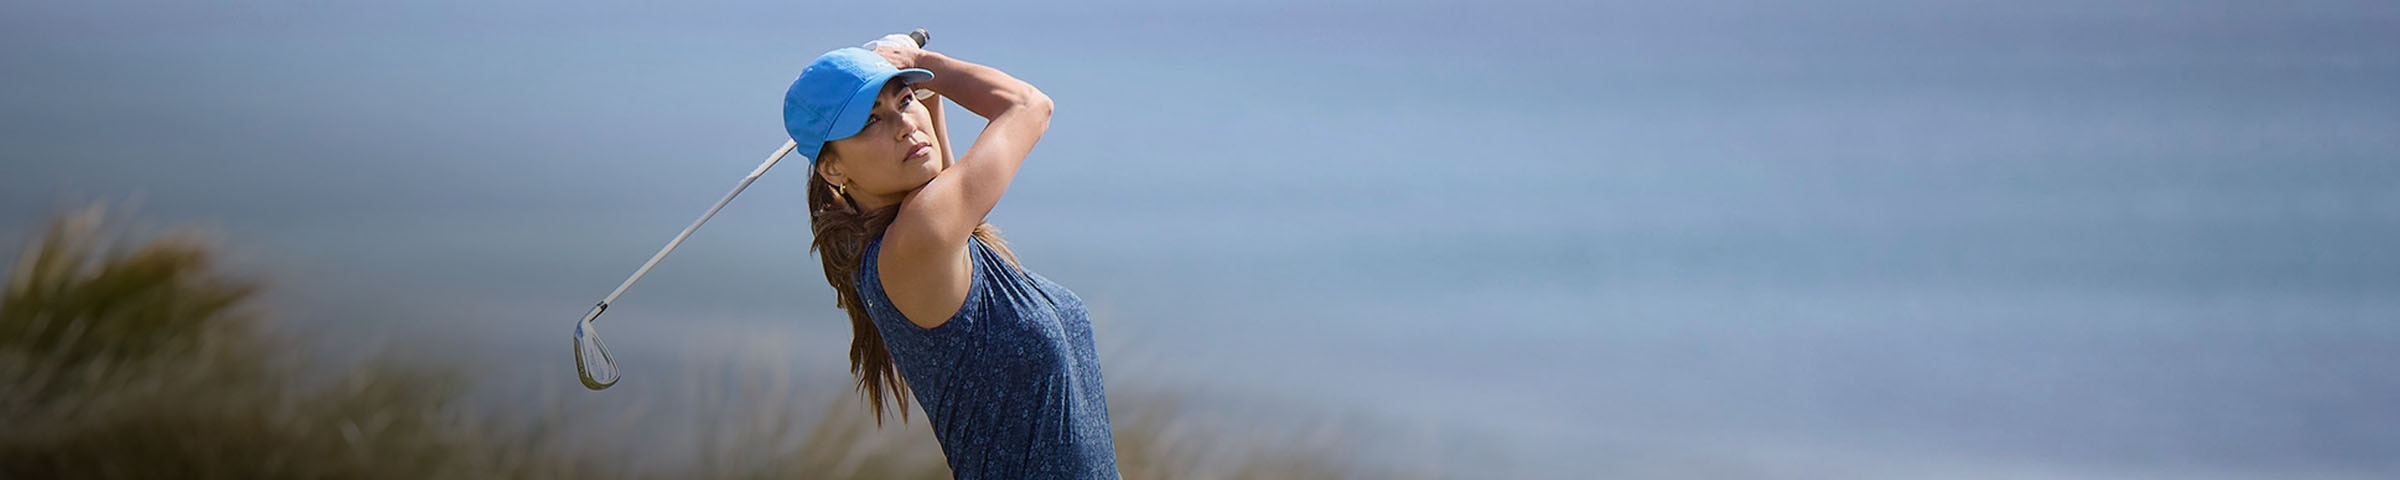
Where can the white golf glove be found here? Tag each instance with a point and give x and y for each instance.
(899, 41)
(896, 40)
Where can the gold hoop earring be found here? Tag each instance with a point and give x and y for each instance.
(843, 192)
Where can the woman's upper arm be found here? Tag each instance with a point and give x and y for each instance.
(957, 200)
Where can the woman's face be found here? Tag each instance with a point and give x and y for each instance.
(890, 157)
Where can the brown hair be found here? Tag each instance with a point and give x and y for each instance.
(842, 232)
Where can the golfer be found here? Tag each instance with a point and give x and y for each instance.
(1001, 359)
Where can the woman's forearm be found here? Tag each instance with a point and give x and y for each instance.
(986, 91)
(941, 131)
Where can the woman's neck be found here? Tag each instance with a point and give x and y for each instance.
(872, 202)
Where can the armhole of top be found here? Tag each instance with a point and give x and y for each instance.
(966, 306)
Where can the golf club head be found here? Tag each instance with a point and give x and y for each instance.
(593, 364)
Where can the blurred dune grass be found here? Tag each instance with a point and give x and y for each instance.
(149, 360)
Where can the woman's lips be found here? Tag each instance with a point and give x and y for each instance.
(921, 150)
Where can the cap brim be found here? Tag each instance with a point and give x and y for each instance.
(861, 104)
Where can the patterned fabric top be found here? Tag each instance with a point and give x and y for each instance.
(1011, 382)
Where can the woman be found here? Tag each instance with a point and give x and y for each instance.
(1001, 358)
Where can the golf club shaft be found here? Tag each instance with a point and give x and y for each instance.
(687, 231)
(593, 364)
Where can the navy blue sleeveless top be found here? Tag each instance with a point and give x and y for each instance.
(1011, 382)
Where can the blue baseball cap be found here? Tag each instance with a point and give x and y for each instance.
(831, 99)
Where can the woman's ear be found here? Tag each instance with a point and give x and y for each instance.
(827, 168)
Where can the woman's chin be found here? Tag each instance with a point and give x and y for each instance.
(932, 170)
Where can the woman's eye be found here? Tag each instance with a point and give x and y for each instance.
(871, 119)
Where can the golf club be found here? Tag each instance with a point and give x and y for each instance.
(593, 364)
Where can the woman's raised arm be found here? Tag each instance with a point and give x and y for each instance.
(925, 248)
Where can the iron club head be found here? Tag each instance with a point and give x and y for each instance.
(593, 364)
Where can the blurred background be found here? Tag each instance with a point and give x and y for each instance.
(1503, 239)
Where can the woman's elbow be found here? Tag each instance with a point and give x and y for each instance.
(1038, 102)
(1033, 108)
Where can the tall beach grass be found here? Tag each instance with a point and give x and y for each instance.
(145, 358)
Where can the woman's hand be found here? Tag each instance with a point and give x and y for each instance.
(897, 48)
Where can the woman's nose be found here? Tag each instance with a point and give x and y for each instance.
(909, 124)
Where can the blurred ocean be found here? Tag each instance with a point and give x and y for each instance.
(1858, 239)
